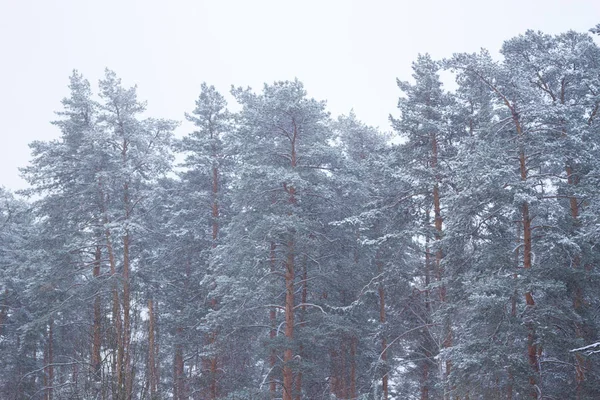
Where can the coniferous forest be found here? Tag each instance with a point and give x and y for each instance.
(276, 252)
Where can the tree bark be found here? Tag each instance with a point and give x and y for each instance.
(302, 320)
(273, 331)
(153, 379)
(49, 363)
(118, 361)
(178, 369)
(353, 345)
(97, 328)
(288, 377)
(382, 320)
(213, 362)
(532, 349)
(127, 299)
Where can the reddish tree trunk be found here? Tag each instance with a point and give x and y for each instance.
(353, 344)
(152, 376)
(126, 320)
(382, 319)
(438, 222)
(288, 377)
(178, 369)
(273, 331)
(532, 349)
(213, 361)
(333, 379)
(343, 384)
(425, 378)
(302, 319)
(97, 328)
(49, 363)
(580, 368)
(3, 310)
(425, 364)
(118, 361)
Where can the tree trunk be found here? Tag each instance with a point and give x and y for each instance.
(49, 363)
(152, 376)
(97, 328)
(532, 349)
(213, 362)
(288, 378)
(580, 368)
(425, 364)
(302, 320)
(438, 222)
(382, 320)
(118, 361)
(3, 310)
(353, 345)
(273, 331)
(178, 369)
(126, 320)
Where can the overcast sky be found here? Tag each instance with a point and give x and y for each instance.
(346, 52)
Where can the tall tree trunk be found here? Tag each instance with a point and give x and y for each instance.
(118, 360)
(212, 362)
(127, 320)
(438, 222)
(3, 310)
(49, 362)
(425, 364)
(353, 345)
(178, 370)
(532, 348)
(97, 328)
(152, 376)
(302, 320)
(343, 382)
(179, 377)
(288, 377)
(580, 368)
(155, 305)
(334, 374)
(382, 320)
(273, 331)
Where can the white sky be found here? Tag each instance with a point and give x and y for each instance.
(346, 52)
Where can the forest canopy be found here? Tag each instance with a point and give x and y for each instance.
(278, 252)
